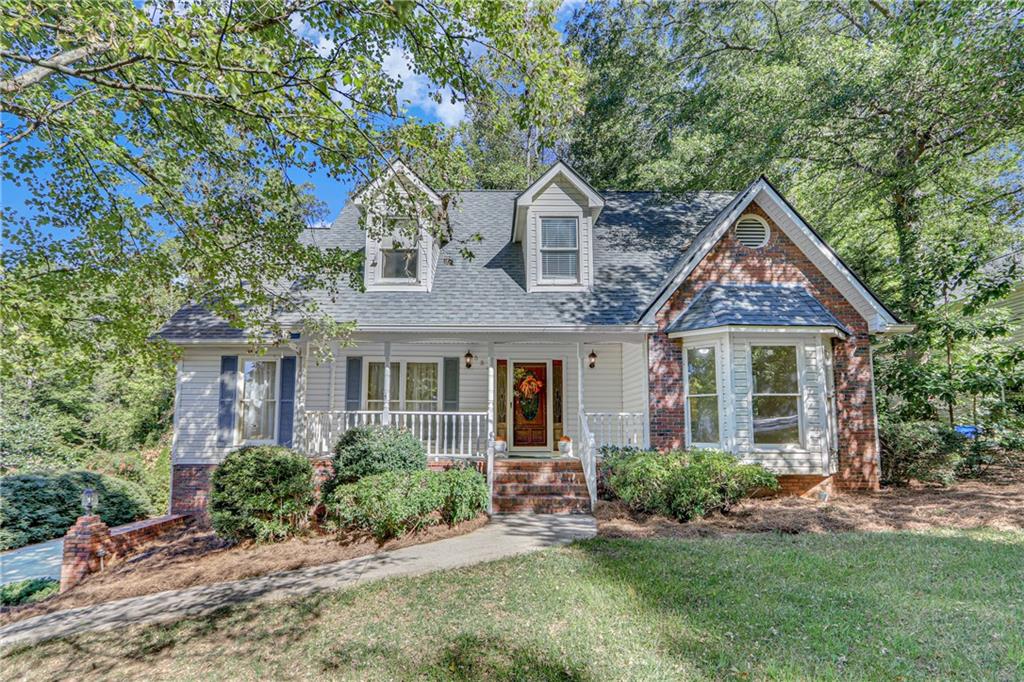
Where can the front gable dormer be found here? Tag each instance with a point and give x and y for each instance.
(554, 222)
(401, 253)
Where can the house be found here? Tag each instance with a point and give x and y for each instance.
(718, 319)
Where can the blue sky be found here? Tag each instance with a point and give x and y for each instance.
(415, 93)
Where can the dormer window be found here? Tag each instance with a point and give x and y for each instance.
(559, 249)
(399, 265)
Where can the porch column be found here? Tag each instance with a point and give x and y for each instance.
(386, 411)
(491, 362)
(579, 391)
(299, 439)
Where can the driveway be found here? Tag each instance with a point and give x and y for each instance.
(34, 561)
(504, 536)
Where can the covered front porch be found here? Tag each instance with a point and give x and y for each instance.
(477, 399)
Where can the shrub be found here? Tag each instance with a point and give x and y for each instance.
(41, 506)
(923, 451)
(370, 450)
(152, 473)
(389, 504)
(640, 479)
(465, 494)
(713, 480)
(610, 457)
(261, 493)
(28, 591)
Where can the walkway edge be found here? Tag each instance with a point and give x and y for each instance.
(503, 537)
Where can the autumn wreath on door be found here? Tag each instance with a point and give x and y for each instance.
(527, 389)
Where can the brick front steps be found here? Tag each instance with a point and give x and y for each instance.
(541, 486)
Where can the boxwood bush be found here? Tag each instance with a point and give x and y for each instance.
(41, 506)
(262, 493)
(370, 450)
(684, 485)
(394, 503)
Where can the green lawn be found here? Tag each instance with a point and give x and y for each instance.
(844, 606)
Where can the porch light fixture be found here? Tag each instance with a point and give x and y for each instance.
(593, 359)
(89, 500)
(469, 359)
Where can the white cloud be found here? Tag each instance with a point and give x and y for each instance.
(417, 88)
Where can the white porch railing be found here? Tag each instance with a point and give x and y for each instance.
(587, 453)
(446, 434)
(621, 429)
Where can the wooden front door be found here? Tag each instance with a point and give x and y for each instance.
(529, 404)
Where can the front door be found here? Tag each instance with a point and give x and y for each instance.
(529, 404)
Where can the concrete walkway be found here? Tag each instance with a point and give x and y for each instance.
(504, 536)
(41, 560)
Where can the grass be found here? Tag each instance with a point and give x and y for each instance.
(28, 591)
(941, 605)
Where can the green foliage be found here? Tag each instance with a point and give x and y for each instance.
(28, 591)
(713, 480)
(465, 494)
(262, 493)
(151, 470)
(685, 485)
(641, 479)
(922, 451)
(368, 450)
(41, 506)
(394, 503)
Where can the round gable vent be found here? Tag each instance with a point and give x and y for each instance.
(752, 231)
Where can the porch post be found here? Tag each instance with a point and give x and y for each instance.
(386, 412)
(300, 439)
(579, 389)
(491, 362)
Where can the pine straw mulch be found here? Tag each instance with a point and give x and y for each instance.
(994, 500)
(196, 556)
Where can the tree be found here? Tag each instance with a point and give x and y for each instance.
(157, 143)
(893, 125)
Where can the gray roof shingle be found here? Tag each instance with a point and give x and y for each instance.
(754, 304)
(637, 239)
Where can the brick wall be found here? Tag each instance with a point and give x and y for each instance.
(190, 489)
(778, 262)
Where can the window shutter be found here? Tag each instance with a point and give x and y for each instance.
(286, 402)
(353, 383)
(450, 399)
(226, 403)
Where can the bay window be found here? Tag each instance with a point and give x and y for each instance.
(559, 249)
(775, 396)
(702, 396)
(258, 401)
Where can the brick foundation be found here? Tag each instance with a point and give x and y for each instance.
(90, 544)
(444, 463)
(778, 262)
(190, 490)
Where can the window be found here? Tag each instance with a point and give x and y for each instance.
(375, 386)
(415, 386)
(258, 398)
(776, 395)
(702, 395)
(559, 249)
(421, 386)
(401, 261)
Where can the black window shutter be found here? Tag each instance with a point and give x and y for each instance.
(353, 383)
(226, 403)
(451, 384)
(286, 403)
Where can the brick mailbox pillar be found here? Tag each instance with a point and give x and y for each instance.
(85, 545)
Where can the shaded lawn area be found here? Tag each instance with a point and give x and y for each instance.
(838, 606)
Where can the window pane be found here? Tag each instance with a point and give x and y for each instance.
(398, 263)
(259, 404)
(700, 366)
(558, 233)
(375, 386)
(704, 420)
(559, 264)
(776, 420)
(774, 369)
(421, 386)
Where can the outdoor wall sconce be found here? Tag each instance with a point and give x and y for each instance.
(469, 359)
(88, 500)
(593, 359)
